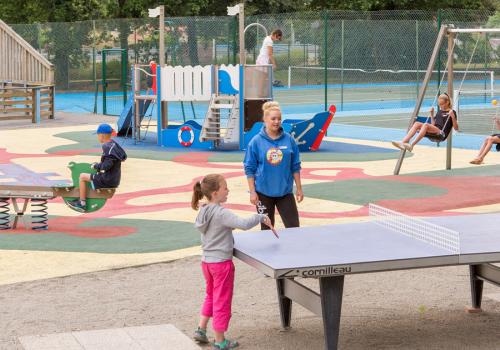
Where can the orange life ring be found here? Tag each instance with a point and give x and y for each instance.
(191, 134)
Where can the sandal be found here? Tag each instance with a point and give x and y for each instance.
(200, 335)
(227, 345)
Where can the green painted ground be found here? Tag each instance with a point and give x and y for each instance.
(480, 170)
(361, 191)
(151, 237)
(86, 140)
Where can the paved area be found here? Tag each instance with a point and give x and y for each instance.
(159, 337)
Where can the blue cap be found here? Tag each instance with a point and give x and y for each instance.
(104, 129)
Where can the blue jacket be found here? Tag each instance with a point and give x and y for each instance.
(109, 168)
(272, 163)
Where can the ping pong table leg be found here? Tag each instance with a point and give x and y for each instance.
(331, 289)
(476, 288)
(285, 304)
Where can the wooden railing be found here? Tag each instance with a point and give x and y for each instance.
(20, 62)
(26, 79)
(23, 101)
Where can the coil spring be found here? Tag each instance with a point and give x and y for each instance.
(4, 214)
(39, 214)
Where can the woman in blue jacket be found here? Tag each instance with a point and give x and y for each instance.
(272, 164)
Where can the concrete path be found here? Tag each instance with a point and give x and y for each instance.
(131, 338)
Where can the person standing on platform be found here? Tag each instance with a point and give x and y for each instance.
(266, 51)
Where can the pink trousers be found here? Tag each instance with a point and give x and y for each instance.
(219, 279)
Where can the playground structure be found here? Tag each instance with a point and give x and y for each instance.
(21, 195)
(26, 79)
(235, 95)
(451, 32)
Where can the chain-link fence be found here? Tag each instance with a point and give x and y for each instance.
(356, 60)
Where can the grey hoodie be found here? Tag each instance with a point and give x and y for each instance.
(216, 225)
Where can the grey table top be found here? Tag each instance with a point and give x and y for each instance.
(365, 246)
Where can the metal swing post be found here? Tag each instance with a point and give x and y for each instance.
(449, 141)
(423, 88)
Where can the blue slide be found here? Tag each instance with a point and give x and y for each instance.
(124, 123)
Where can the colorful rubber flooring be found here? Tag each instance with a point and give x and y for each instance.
(149, 219)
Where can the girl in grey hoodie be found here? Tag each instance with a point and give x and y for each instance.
(216, 225)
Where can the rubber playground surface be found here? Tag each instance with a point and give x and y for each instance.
(150, 220)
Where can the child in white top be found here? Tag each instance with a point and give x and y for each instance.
(266, 51)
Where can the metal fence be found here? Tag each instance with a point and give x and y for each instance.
(352, 59)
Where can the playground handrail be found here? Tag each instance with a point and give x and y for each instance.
(20, 62)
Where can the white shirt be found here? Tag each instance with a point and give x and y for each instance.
(263, 57)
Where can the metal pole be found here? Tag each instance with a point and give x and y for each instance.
(326, 58)
(449, 142)
(417, 53)
(492, 82)
(485, 68)
(103, 67)
(124, 75)
(342, 68)
(438, 78)
(94, 67)
(242, 33)
(161, 54)
(214, 52)
(423, 89)
(289, 64)
(289, 77)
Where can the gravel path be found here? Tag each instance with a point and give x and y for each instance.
(416, 309)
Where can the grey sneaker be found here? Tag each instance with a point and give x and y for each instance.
(77, 205)
(228, 345)
(200, 335)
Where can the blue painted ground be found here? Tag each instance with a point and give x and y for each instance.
(384, 134)
(84, 102)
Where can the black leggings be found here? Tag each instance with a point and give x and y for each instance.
(287, 208)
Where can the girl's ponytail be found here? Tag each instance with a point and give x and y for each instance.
(205, 188)
(197, 196)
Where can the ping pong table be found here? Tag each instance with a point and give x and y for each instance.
(390, 241)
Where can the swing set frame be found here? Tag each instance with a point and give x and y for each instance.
(450, 32)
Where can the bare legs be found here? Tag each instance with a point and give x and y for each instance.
(425, 129)
(485, 148)
(84, 178)
(422, 129)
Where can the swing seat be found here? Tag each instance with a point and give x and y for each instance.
(437, 138)
(422, 119)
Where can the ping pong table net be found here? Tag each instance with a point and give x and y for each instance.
(435, 235)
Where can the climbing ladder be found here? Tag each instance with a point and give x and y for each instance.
(213, 129)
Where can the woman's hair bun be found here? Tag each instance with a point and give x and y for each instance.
(270, 105)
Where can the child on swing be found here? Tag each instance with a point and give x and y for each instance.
(488, 142)
(439, 128)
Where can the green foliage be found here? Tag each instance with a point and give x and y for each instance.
(31, 11)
